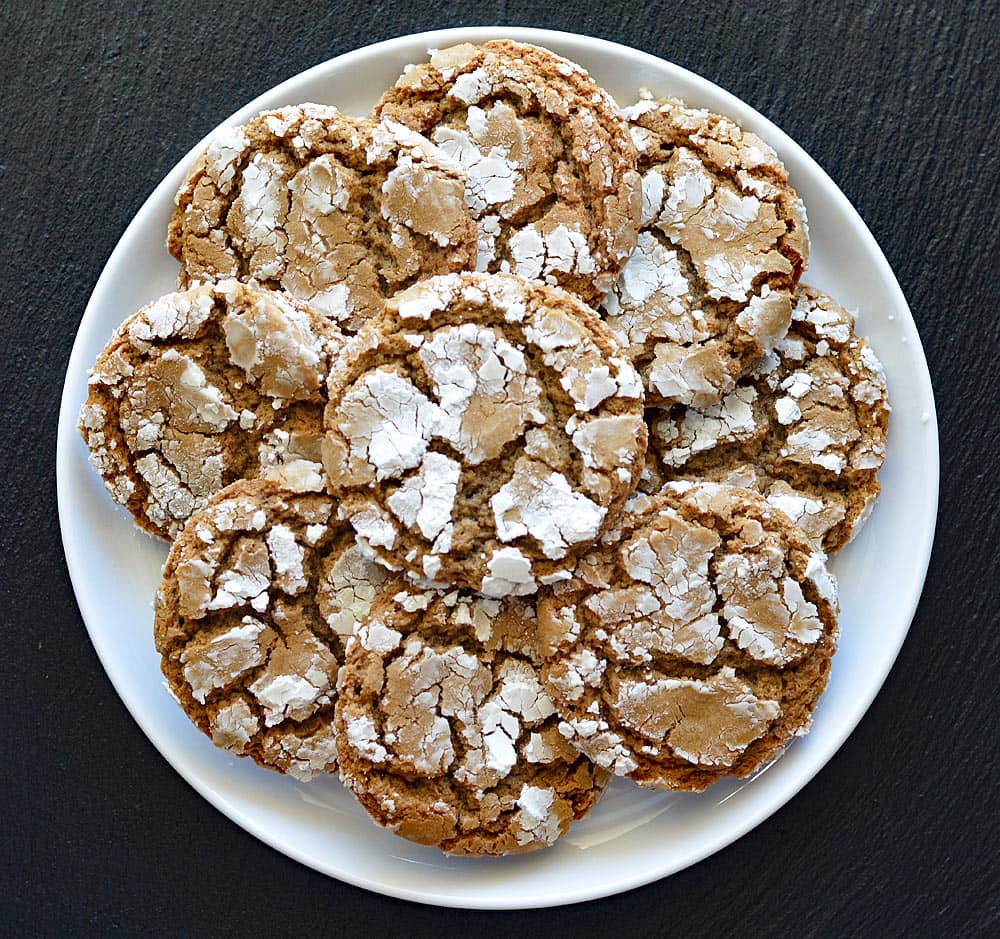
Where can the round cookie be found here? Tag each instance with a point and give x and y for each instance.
(552, 177)
(259, 595)
(806, 427)
(723, 242)
(340, 212)
(693, 642)
(445, 733)
(483, 431)
(204, 387)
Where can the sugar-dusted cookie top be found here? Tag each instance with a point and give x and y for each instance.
(694, 641)
(552, 177)
(806, 426)
(444, 730)
(204, 387)
(259, 594)
(722, 244)
(338, 211)
(483, 431)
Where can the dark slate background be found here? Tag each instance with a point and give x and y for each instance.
(897, 101)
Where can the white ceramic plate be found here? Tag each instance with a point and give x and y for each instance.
(631, 837)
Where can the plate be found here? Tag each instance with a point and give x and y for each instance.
(632, 837)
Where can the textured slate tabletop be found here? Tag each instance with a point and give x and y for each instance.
(896, 101)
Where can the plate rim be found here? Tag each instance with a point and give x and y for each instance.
(66, 435)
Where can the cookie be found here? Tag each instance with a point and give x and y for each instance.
(552, 177)
(693, 642)
(806, 427)
(445, 733)
(259, 594)
(483, 431)
(723, 242)
(340, 212)
(204, 387)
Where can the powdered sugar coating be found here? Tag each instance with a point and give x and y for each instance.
(204, 387)
(485, 426)
(693, 641)
(550, 164)
(258, 595)
(722, 244)
(337, 211)
(707, 723)
(446, 734)
(538, 502)
(806, 426)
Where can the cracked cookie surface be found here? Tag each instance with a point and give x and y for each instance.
(204, 387)
(693, 642)
(721, 247)
(259, 594)
(551, 168)
(483, 431)
(445, 733)
(806, 427)
(339, 211)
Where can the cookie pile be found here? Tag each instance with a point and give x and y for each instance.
(500, 447)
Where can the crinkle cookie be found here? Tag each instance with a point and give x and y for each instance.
(204, 387)
(806, 427)
(693, 642)
(445, 733)
(483, 431)
(340, 212)
(723, 242)
(552, 176)
(259, 594)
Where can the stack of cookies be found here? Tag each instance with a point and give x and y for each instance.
(500, 446)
